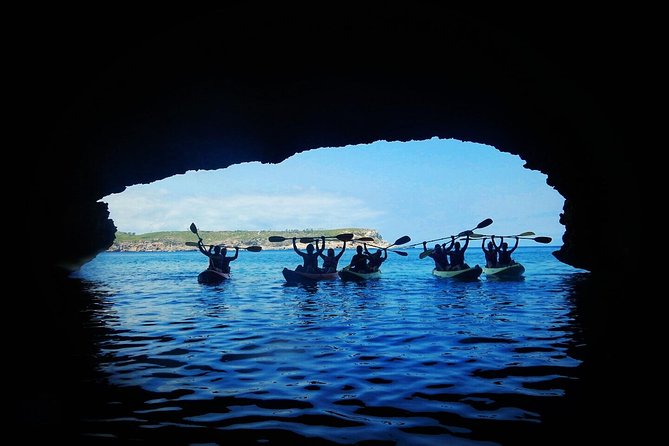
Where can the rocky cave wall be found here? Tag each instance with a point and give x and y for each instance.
(122, 99)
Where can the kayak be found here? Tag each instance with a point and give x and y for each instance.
(472, 273)
(299, 276)
(506, 272)
(212, 277)
(347, 274)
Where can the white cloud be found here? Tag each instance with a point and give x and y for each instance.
(142, 210)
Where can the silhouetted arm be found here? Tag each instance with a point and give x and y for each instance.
(464, 248)
(514, 246)
(200, 246)
(450, 246)
(236, 254)
(343, 248)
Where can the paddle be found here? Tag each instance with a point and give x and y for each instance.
(248, 248)
(429, 251)
(469, 232)
(400, 241)
(363, 239)
(193, 229)
(370, 239)
(402, 253)
(342, 237)
(539, 239)
(522, 234)
(525, 236)
(277, 238)
(483, 224)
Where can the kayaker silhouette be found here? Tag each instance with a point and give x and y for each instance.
(330, 261)
(439, 256)
(503, 252)
(490, 254)
(309, 258)
(359, 261)
(217, 256)
(375, 259)
(457, 254)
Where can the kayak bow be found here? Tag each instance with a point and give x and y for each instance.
(466, 274)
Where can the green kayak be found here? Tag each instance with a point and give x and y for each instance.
(466, 274)
(347, 274)
(512, 271)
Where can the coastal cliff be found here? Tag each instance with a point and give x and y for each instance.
(171, 241)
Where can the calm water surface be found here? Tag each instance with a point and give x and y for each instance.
(408, 359)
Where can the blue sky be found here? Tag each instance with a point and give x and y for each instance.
(424, 189)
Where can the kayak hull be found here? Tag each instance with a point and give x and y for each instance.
(212, 277)
(348, 275)
(300, 277)
(467, 274)
(507, 272)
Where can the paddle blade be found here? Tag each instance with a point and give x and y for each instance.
(525, 234)
(191, 243)
(344, 237)
(402, 253)
(193, 228)
(543, 239)
(277, 238)
(424, 254)
(484, 223)
(254, 248)
(402, 240)
(363, 239)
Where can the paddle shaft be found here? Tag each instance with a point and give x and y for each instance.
(341, 237)
(249, 248)
(483, 224)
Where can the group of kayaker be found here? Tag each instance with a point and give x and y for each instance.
(362, 260)
(452, 257)
(446, 258)
(218, 260)
(498, 256)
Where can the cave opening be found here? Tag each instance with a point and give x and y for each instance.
(425, 189)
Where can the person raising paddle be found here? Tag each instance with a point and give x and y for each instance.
(438, 255)
(359, 261)
(217, 257)
(375, 260)
(457, 254)
(309, 258)
(330, 261)
(490, 253)
(503, 251)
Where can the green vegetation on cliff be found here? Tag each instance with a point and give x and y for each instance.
(176, 240)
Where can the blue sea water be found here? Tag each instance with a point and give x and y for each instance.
(407, 359)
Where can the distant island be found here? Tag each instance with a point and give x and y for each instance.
(170, 241)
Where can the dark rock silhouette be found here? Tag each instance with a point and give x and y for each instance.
(122, 99)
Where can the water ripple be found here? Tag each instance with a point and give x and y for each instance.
(407, 359)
